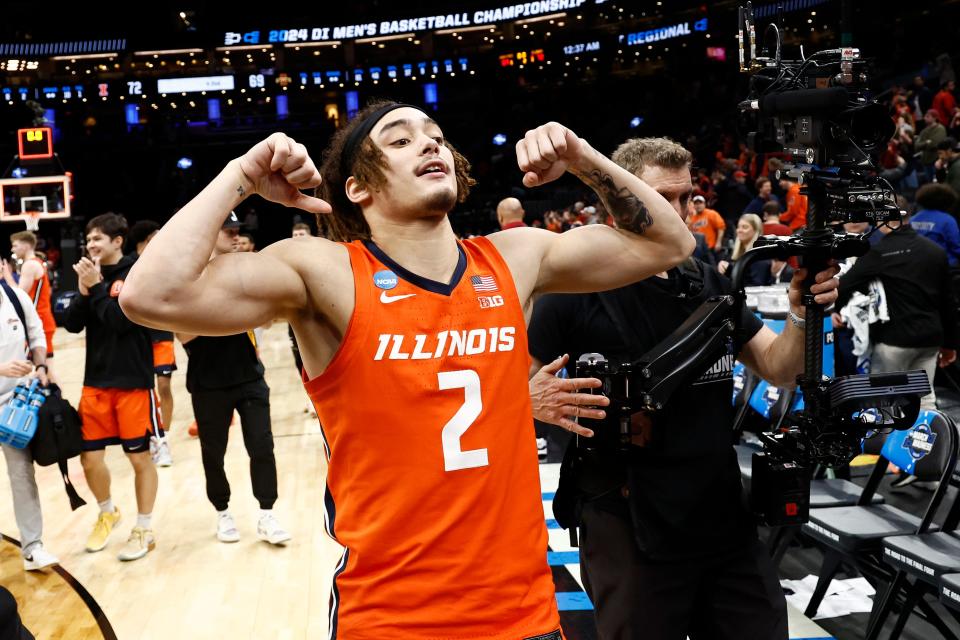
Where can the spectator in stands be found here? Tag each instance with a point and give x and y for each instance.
(764, 195)
(932, 220)
(571, 219)
(707, 222)
(593, 215)
(749, 228)
(553, 222)
(927, 140)
(771, 221)
(780, 272)
(948, 164)
(510, 214)
(246, 242)
(795, 214)
(921, 95)
(945, 103)
(733, 196)
(895, 169)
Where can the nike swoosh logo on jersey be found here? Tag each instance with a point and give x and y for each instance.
(385, 299)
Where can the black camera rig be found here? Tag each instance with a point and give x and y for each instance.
(817, 113)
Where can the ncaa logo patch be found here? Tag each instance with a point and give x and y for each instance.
(385, 280)
(919, 442)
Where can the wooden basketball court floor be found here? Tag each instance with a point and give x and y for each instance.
(192, 585)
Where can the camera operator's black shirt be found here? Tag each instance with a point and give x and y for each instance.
(685, 489)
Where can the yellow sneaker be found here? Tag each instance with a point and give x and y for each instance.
(138, 544)
(101, 531)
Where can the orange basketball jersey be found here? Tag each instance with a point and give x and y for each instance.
(433, 485)
(40, 294)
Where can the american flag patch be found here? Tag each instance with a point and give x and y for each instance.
(483, 283)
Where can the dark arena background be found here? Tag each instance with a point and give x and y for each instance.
(133, 108)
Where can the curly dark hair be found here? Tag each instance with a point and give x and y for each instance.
(347, 223)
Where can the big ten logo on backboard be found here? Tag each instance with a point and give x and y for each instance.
(488, 302)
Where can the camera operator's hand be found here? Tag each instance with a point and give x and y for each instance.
(556, 401)
(946, 357)
(824, 288)
(545, 153)
(837, 320)
(16, 368)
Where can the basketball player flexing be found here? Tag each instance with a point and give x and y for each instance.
(414, 351)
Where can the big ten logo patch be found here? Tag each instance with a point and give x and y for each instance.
(115, 288)
(919, 442)
(489, 302)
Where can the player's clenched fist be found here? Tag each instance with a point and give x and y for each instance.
(546, 152)
(278, 168)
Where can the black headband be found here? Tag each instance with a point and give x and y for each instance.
(355, 138)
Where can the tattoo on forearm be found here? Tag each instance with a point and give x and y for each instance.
(627, 209)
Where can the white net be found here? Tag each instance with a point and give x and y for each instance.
(33, 221)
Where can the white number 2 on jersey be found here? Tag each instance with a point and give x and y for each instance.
(454, 458)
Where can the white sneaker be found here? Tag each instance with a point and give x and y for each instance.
(162, 457)
(39, 558)
(227, 528)
(269, 529)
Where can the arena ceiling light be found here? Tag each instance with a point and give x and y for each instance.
(445, 32)
(500, 139)
(245, 47)
(85, 56)
(549, 16)
(375, 39)
(325, 43)
(166, 52)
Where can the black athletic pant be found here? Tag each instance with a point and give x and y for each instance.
(733, 595)
(213, 410)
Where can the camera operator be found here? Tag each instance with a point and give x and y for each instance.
(667, 547)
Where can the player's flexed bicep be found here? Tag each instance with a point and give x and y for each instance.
(175, 285)
(650, 237)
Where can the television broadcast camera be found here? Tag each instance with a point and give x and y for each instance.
(817, 113)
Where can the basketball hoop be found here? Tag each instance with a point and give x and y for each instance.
(32, 220)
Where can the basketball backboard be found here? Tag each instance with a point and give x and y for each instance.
(47, 195)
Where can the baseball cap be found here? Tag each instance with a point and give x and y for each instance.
(699, 198)
(232, 221)
(739, 174)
